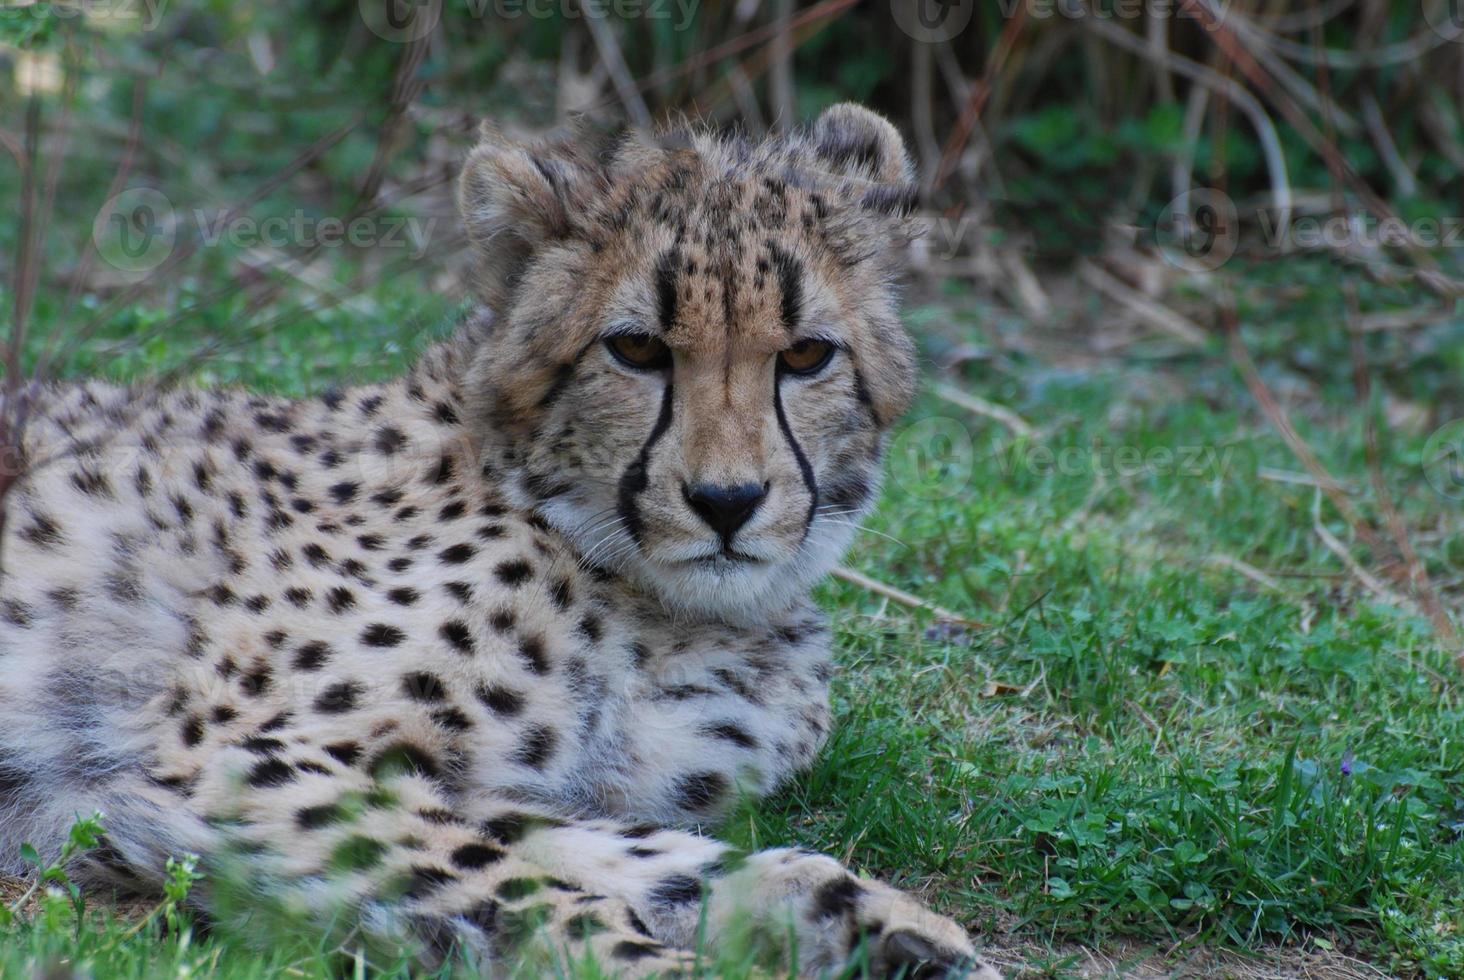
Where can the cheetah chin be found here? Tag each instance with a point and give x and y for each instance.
(464, 660)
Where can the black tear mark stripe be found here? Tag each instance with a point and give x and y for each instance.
(861, 392)
(790, 285)
(563, 376)
(666, 289)
(804, 468)
(636, 477)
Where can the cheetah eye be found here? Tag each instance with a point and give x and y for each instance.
(806, 357)
(640, 351)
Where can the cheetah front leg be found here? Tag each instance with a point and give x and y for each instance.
(399, 861)
(808, 907)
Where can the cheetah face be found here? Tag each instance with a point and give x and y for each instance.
(695, 355)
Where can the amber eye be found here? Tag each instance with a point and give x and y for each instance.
(640, 351)
(806, 356)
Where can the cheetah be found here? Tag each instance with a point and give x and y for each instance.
(474, 654)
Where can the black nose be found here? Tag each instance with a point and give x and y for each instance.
(725, 509)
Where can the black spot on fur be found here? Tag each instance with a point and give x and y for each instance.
(387, 498)
(631, 951)
(344, 493)
(700, 790)
(338, 698)
(389, 440)
(261, 745)
(256, 680)
(472, 857)
(269, 773)
(514, 573)
(316, 817)
(676, 890)
(424, 687)
(836, 898)
(510, 828)
(422, 881)
(346, 753)
(456, 633)
(531, 649)
(537, 747)
(456, 554)
(312, 655)
(500, 700)
(452, 719)
(404, 596)
(382, 635)
(340, 599)
(730, 732)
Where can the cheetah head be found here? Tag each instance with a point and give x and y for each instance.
(694, 354)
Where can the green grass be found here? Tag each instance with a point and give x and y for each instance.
(1143, 744)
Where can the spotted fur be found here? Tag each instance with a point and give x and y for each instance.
(460, 651)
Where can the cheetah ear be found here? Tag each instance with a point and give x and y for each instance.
(854, 142)
(514, 199)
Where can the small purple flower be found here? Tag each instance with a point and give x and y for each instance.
(1347, 762)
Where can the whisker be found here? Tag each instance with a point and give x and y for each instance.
(867, 530)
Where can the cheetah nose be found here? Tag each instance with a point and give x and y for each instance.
(725, 508)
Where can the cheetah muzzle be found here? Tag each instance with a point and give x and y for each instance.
(473, 653)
